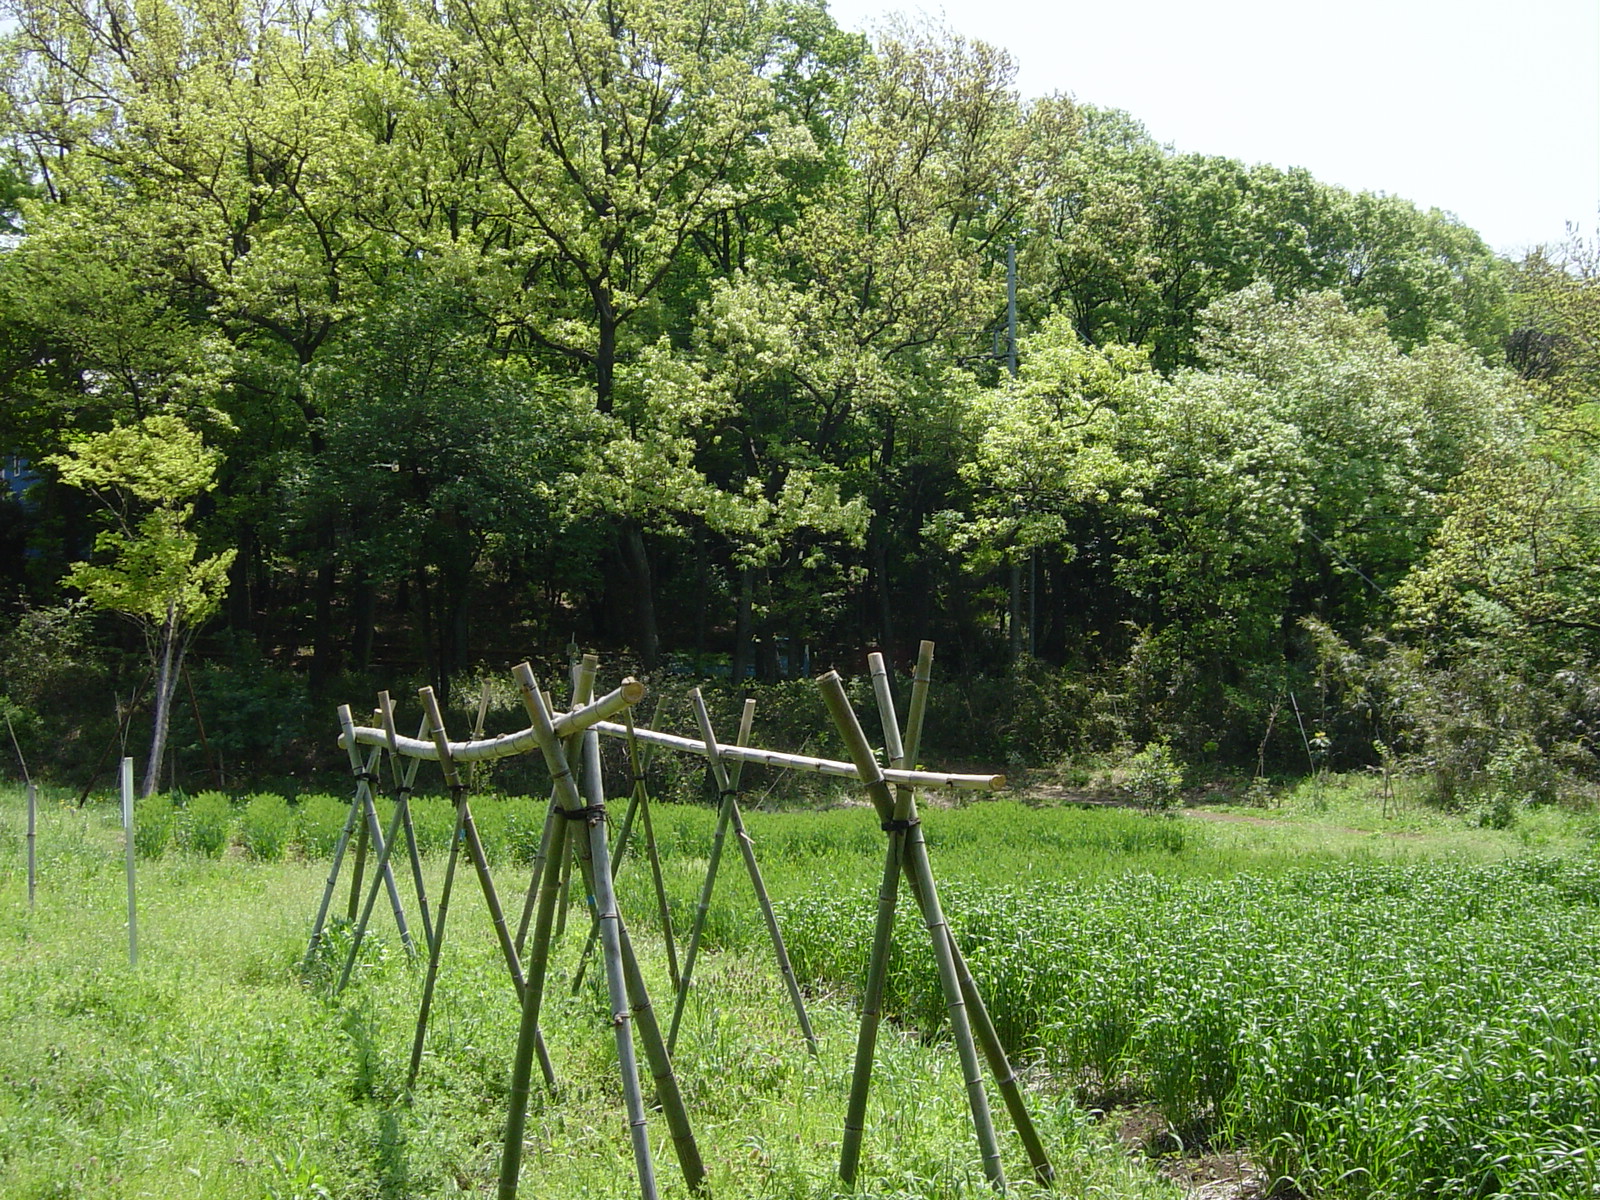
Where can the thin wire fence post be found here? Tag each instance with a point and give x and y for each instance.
(127, 837)
(33, 825)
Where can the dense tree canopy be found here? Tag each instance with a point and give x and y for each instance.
(685, 329)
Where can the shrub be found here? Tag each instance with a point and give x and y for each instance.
(489, 815)
(524, 827)
(318, 821)
(207, 824)
(434, 819)
(154, 823)
(267, 826)
(1154, 778)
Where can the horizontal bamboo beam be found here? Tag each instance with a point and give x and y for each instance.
(802, 762)
(508, 745)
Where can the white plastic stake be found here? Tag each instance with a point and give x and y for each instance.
(127, 832)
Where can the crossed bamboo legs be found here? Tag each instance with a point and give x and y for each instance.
(907, 855)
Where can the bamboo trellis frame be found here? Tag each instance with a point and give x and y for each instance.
(569, 744)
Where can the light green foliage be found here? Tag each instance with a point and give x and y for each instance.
(207, 824)
(318, 820)
(159, 465)
(1153, 777)
(155, 824)
(147, 477)
(1306, 465)
(1134, 241)
(266, 826)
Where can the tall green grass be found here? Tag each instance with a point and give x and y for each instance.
(213, 1071)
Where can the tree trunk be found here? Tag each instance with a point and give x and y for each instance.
(363, 604)
(647, 636)
(324, 645)
(423, 602)
(1014, 617)
(169, 656)
(880, 573)
(741, 625)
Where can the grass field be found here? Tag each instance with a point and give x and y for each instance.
(1362, 1004)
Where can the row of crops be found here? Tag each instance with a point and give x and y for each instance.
(1368, 1030)
(267, 827)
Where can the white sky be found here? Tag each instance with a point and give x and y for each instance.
(1490, 111)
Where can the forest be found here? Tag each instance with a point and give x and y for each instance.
(371, 343)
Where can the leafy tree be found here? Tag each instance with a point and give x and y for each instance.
(147, 477)
(1302, 471)
(1135, 240)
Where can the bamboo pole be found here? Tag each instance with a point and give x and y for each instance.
(358, 869)
(668, 1094)
(804, 762)
(507, 745)
(638, 808)
(872, 777)
(384, 875)
(703, 905)
(435, 948)
(748, 852)
(127, 832)
(619, 855)
(357, 810)
(372, 830)
(599, 881)
(469, 828)
(385, 849)
(543, 856)
(663, 909)
(584, 669)
(1005, 1076)
(878, 963)
(404, 777)
(466, 833)
(597, 716)
(546, 880)
(539, 860)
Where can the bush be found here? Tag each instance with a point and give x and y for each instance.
(154, 823)
(524, 827)
(434, 819)
(489, 815)
(207, 824)
(1154, 778)
(267, 826)
(318, 821)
